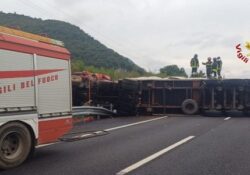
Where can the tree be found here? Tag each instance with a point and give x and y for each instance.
(173, 70)
(77, 66)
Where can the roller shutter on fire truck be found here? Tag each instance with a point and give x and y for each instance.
(12, 95)
(53, 88)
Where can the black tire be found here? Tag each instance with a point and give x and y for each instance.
(189, 106)
(15, 145)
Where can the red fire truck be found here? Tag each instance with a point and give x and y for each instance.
(35, 94)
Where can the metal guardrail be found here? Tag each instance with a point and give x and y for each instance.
(92, 110)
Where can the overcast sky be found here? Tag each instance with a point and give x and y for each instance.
(155, 33)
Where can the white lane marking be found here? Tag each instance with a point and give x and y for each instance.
(98, 132)
(40, 146)
(227, 118)
(109, 129)
(84, 135)
(153, 156)
(133, 124)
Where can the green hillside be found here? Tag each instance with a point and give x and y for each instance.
(81, 45)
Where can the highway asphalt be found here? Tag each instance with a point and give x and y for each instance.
(172, 145)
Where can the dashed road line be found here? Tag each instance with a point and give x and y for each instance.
(43, 145)
(227, 118)
(153, 156)
(133, 124)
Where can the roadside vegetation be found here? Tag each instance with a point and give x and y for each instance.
(171, 70)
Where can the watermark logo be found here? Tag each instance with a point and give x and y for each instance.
(241, 55)
(247, 45)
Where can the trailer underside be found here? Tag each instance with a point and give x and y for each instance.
(137, 97)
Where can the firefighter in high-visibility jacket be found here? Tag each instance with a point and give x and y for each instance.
(208, 67)
(194, 63)
(215, 67)
(219, 62)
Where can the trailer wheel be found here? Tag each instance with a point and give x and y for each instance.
(15, 145)
(189, 106)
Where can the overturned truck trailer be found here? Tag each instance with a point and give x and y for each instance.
(191, 96)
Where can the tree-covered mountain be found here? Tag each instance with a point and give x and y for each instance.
(81, 45)
(173, 70)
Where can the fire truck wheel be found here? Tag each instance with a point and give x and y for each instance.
(15, 145)
(189, 106)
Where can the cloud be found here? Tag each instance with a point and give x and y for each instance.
(155, 33)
